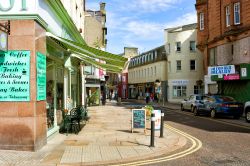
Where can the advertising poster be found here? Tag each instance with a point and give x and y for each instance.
(157, 119)
(41, 76)
(15, 76)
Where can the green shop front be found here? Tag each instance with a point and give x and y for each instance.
(232, 80)
(41, 71)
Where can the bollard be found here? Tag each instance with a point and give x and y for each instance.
(152, 139)
(162, 124)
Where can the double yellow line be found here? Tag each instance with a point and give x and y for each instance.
(196, 145)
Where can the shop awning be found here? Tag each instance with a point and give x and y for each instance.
(113, 63)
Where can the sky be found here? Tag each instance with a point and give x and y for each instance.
(141, 23)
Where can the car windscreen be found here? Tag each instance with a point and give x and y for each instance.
(225, 99)
(199, 97)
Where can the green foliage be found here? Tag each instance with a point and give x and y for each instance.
(94, 98)
(149, 109)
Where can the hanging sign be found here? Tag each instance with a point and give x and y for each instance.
(138, 118)
(40, 76)
(15, 76)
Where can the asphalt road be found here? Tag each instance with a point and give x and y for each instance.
(223, 144)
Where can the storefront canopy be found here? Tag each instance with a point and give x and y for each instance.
(113, 63)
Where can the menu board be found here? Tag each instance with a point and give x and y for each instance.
(15, 76)
(40, 76)
(138, 118)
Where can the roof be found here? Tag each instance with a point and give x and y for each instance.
(182, 28)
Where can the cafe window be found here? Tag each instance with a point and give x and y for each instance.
(179, 91)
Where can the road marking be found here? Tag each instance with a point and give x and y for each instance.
(216, 120)
(196, 145)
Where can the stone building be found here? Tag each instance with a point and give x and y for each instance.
(224, 39)
(147, 73)
(41, 73)
(184, 61)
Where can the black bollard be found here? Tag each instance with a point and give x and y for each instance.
(152, 140)
(162, 124)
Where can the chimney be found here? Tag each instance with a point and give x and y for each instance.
(102, 6)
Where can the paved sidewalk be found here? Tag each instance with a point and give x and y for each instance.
(105, 139)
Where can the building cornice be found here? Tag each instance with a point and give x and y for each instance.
(25, 17)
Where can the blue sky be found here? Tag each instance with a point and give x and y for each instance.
(141, 23)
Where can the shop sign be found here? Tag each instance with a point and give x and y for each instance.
(179, 82)
(40, 76)
(243, 72)
(15, 76)
(7, 6)
(231, 77)
(219, 70)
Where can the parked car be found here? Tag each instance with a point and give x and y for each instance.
(219, 105)
(190, 102)
(247, 111)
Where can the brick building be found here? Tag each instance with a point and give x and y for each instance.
(224, 39)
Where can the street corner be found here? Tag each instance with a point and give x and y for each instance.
(175, 144)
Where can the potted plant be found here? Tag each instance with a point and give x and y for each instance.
(149, 109)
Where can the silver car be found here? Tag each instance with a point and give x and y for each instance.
(190, 102)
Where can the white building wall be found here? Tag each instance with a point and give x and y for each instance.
(184, 77)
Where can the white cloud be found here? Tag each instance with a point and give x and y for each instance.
(146, 6)
(187, 18)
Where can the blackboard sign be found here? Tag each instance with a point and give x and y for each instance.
(138, 118)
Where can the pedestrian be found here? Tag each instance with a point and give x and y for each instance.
(147, 97)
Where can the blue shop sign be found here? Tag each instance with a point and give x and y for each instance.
(219, 70)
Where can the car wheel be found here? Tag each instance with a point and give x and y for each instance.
(195, 111)
(213, 113)
(248, 115)
(182, 108)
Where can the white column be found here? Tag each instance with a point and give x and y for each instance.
(55, 93)
(65, 88)
(83, 85)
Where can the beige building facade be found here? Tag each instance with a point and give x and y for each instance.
(147, 73)
(185, 63)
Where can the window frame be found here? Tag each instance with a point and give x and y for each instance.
(201, 19)
(179, 88)
(176, 45)
(228, 14)
(192, 60)
(190, 46)
(178, 69)
(237, 4)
